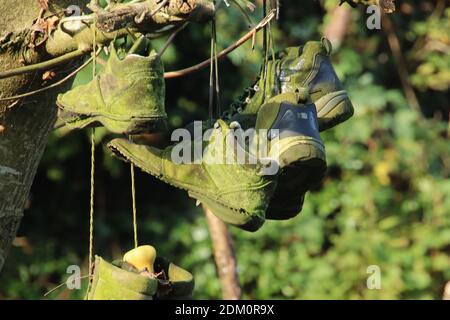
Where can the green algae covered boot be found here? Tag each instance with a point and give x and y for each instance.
(295, 143)
(115, 282)
(217, 176)
(294, 69)
(126, 97)
(310, 67)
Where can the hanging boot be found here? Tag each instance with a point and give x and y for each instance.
(141, 275)
(295, 143)
(236, 192)
(116, 281)
(126, 97)
(294, 69)
(296, 147)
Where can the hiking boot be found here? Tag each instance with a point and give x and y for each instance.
(294, 68)
(236, 192)
(295, 143)
(126, 97)
(114, 281)
(120, 280)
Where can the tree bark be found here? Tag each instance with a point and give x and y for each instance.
(26, 123)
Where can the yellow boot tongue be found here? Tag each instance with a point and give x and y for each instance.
(142, 257)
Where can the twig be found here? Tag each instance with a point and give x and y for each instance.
(394, 44)
(138, 43)
(171, 38)
(223, 53)
(43, 65)
(158, 8)
(62, 284)
(139, 19)
(56, 84)
(224, 257)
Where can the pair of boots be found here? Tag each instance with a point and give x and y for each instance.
(297, 95)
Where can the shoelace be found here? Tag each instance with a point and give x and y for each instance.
(243, 100)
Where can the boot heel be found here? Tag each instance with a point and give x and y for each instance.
(333, 109)
(298, 150)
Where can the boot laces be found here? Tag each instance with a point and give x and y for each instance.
(243, 100)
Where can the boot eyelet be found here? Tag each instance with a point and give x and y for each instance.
(256, 88)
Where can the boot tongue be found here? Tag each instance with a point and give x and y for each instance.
(268, 112)
(291, 52)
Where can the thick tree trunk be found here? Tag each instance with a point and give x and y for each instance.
(25, 123)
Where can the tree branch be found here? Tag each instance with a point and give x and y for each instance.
(150, 15)
(223, 53)
(396, 49)
(224, 256)
(43, 65)
(146, 17)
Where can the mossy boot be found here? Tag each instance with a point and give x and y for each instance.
(126, 97)
(121, 280)
(298, 68)
(112, 282)
(216, 174)
(295, 143)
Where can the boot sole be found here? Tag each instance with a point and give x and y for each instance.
(303, 165)
(297, 149)
(333, 109)
(227, 214)
(118, 125)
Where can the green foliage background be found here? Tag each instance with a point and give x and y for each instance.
(385, 201)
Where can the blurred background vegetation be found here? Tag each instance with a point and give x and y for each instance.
(385, 201)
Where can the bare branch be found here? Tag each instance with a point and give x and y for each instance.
(224, 256)
(151, 15)
(225, 52)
